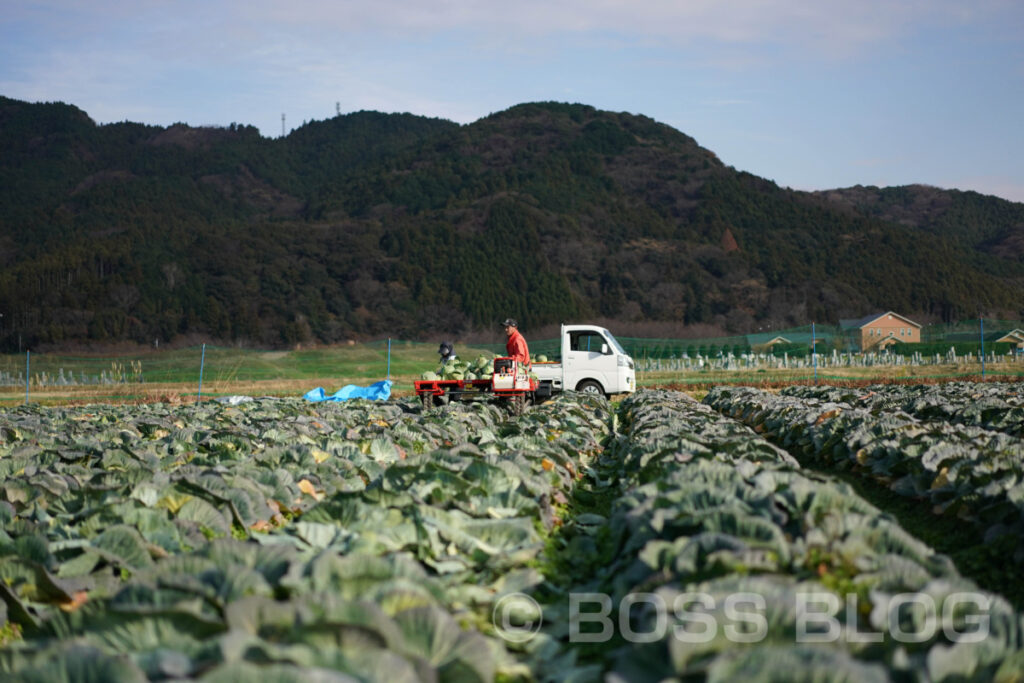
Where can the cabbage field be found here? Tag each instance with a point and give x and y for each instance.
(654, 539)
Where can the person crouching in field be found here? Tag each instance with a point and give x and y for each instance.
(447, 352)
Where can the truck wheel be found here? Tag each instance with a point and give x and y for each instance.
(442, 400)
(590, 387)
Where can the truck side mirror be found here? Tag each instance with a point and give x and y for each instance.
(604, 349)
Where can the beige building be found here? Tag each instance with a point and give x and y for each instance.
(763, 342)
(1015, 337)
(881, 330)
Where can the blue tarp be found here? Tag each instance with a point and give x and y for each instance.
(381, 391)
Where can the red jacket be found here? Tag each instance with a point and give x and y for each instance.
(516, 347)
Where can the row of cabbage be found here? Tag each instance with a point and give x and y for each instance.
(971, 472)
(276, 539)
(998, 406)
(725, 561)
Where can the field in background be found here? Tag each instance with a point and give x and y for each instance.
(174, 376)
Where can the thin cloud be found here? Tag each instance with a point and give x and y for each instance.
(827, 26)
(731, 21)
(725, 103)
(877, 162)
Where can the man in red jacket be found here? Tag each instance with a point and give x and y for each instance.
(516, 345)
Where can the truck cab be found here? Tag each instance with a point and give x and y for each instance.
(592, 361)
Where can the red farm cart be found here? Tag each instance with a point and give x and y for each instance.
(511, 383)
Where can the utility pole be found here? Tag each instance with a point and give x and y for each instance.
(282, 125)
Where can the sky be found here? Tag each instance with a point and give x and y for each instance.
(812, 94)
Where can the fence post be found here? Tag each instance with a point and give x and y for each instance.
(202, 362)
(28, 365)
(389, 358)
(981, 323)
(814, 354)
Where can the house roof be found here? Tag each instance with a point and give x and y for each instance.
(1012, 335)
(858, 323)
(762, 338)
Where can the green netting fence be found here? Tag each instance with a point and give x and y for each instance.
(963, 337)
(969, 330)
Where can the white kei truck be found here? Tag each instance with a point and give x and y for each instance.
(592, 361)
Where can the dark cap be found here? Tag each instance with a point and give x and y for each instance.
(510, 322)
(445, 348)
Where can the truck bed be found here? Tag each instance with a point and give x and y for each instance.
(548, 371)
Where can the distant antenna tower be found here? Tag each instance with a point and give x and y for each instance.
(282, 125)
(337, 108)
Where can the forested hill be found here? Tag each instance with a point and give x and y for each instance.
(370, 224)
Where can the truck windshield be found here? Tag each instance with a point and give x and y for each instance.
(592, 340)
(614, 342)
